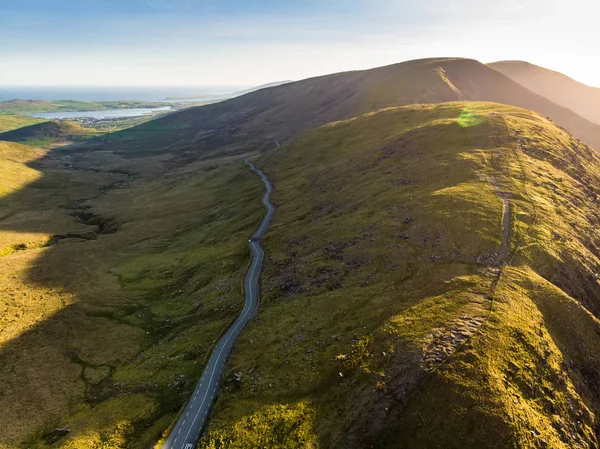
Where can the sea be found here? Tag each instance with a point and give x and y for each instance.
(104, 93)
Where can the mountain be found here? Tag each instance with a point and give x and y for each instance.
(220, 97)
(430, 276)
(262, 86)
(254, 120)
(48, 133)
(580, 98)
(431, 281)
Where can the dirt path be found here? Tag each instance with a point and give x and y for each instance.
(444, 342)
(505, 223)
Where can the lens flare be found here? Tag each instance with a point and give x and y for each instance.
(468, 118)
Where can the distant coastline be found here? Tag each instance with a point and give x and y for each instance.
(112, 93)
(111, 113)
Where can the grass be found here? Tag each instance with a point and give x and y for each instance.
(49, 134)
(11, 122)
(254, 121)
(14, 173)
(115, 326)
(383, 322)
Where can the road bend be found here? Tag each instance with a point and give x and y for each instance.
(186, 432)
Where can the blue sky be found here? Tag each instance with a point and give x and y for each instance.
(237, 42)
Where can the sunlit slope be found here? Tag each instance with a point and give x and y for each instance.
(388, 318)
(48, 133)
(580, 98)
(256, 119)
(14, 173)
(10, 122)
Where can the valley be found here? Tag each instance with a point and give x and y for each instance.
(83, 316)
(429, 278)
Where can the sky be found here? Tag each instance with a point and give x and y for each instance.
(251, 42)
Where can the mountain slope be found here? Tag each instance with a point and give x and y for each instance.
(255, 119)
(386, 318)
(391, 316)
(262, 86)
(46, 133)
(10, 122)
(582, 99)
(116, 276)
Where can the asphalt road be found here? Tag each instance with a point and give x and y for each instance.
(186, 432)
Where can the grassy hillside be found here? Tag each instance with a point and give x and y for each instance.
(116, 277)
(430, 281)
(48, 133)
(580, 98)
(256, 119)
(38, 106)
(10, 122)
(391, 316)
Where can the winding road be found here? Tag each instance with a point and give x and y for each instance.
(186, 432)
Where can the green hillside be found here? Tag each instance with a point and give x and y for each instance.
(111, 291)
(582, 99)
(391, 316)
(430, 277)
(254, 120)
(48, 133)
(10, 122)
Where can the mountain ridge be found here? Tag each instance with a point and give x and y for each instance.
(386, 320)
(558, 87)
(255, 119)
(430, 274)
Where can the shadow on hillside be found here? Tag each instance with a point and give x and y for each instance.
(67, 324)
(84, 328)
(68, 320)
(61, 336)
